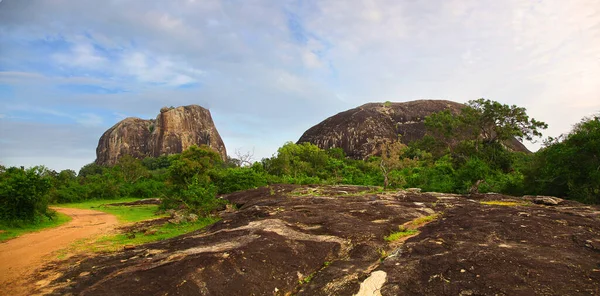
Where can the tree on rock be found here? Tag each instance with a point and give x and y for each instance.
(496, 122)
(484, 121)
(483, 129)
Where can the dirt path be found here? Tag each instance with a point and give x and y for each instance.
(22, 256)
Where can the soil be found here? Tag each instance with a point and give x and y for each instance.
(23, 256)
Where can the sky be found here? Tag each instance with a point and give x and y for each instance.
(269, 70)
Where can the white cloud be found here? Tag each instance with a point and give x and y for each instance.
(89, 119)
(250, 58)
(82, 55)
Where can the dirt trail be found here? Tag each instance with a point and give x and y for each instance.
(22, 256)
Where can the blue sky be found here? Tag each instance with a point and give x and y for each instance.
(269, 70)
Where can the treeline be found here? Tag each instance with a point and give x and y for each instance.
(461, 153)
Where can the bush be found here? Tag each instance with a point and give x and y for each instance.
(199, 197)
(236, 179)
(472, 171)
(23, 195)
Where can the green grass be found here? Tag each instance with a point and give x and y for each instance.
(111, 243)
(123, 213)
(422, 220)
(9, 232)
(394, 236)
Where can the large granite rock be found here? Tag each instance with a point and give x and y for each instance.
(331, 240)
(358, 131)
(173, 130)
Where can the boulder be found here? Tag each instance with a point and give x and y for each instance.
(358, 131)
(173, 130)
(547, 200)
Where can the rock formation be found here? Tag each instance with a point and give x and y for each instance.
(330, 240)
(358, 131)
(173, 130)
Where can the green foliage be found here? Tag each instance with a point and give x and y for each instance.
(155, 163)
(458, 152)
(194, 162)
(240, 178)
(472, 171)
(482, 122)
(438, 177)
(91, 169)
(570, 168)
(299, 159)
(392, 158)
(130, 169)
(23, 195)
(498, 122)
(394, 236)
(198, 197)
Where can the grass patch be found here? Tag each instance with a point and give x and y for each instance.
(410, 228)
(421, 220)
(394, 236)
(503, 203)
(123, 213)
(307, 279)
(7, 232)
(116, 242)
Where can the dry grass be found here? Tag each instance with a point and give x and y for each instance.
(503, 203)
(409, 228)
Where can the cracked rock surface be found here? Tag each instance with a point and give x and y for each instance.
(329, 240)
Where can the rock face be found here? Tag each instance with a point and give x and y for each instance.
(330, 240)
(173, 130)
(358, 131)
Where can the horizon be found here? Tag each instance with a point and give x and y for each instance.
(268, 72)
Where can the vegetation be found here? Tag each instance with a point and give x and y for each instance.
(24, 195)
(461, 153)
(162, 232)
(11, 230)
(421, 220)
(502, 203)
(111, 243)
(123, 213)
(570, 166)
(394, 236)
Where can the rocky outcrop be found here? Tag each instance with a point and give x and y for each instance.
(358, 131)
(334, 240)
(174, 130)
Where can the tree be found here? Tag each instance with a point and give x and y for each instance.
(392, 158)
(299, 159)
(483, 122)
(193, 162)
(23, 194)
(91, 169)
(570, 167)
(495, 122)
(131, 169)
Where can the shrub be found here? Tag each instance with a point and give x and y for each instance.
(23, 195)
(199, 197)
(236, 179)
